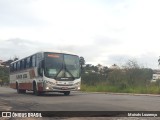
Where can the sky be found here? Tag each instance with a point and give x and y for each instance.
(104, 32)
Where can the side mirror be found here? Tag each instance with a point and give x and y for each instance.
(42, 64)
(40, 68)
(40, 71)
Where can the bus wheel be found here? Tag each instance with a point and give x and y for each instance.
(35, 91)
(66, 93)
(18, 90)
(23, 91)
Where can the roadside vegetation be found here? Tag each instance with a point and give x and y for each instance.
(4, 76)
(4, 72)
(131, 78)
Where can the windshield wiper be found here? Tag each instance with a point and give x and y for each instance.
(55, 77)
(69, 72)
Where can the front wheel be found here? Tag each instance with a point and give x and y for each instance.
(35, 91)
(66, 93)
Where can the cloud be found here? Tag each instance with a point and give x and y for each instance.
(19, 47)
(92, 53)
(102, 32)
(22, 48)
(147, 60)
(18, 13)
(105, 41)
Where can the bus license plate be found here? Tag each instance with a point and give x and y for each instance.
(64, 88)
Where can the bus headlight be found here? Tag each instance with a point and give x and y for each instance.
(47, 88)
(48, 82)
(78, 83)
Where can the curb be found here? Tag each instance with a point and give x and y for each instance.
(133, 94)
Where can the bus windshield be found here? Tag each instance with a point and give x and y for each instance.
(61, 65)
(72, 65)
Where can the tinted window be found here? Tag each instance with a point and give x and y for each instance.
(72, 65)
(22, 64)
(28, 62)
(33, 61)
(18, 65)
(11, 67)
(53, 64)
(15, 67)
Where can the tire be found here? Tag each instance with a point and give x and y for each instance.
(23, 91)
(35, 91)
(19, 91)
(66, 93)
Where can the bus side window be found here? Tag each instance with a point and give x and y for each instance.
(22, 64)
(15, 67)
(28, 62)
(11, 67)
(25, 63)
(34, 61)
(18, 65)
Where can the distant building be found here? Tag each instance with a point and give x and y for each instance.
(156, 75)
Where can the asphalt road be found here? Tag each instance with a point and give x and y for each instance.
(77, 101)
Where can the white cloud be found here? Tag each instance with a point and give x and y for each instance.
(94, 29)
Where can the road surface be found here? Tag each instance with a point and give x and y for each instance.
(77, 101)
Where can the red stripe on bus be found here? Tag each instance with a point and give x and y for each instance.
(40, 87)
(26, 86)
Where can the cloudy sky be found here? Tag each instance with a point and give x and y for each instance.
(102, 31)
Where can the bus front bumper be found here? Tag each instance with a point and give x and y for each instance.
(61, 88)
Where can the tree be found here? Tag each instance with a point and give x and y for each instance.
(82, 61)
(4, 74)
(15, 58)
(159, 61)
(7, 63)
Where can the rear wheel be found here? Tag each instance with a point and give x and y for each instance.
(66, 93)
(19, 90)
(23, 91)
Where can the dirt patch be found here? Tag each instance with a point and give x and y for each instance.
(4, 105)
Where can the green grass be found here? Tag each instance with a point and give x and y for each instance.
(152, 89)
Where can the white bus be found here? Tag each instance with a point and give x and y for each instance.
(46, 72)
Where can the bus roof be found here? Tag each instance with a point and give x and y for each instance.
(54, 51)
(59, 51)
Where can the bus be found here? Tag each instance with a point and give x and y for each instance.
(46, 72)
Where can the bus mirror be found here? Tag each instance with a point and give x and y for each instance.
(40, 68)
(41, 64)
(40, 71)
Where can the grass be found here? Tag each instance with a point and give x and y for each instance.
(152, 89)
